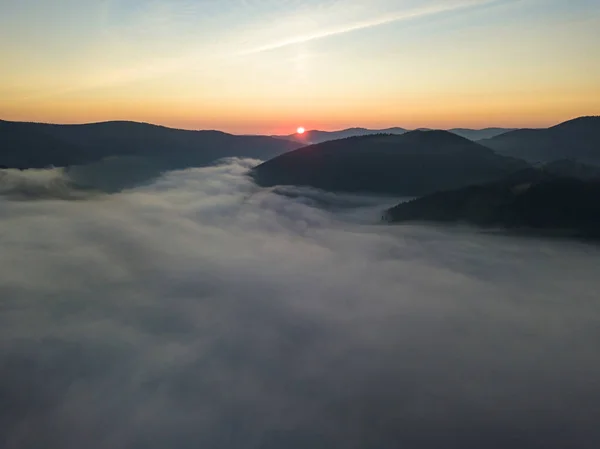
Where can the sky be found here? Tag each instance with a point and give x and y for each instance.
(270, 66)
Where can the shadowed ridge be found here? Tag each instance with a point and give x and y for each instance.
(535, 200)
(36, 145)
(316, 136)
(436, 137)
(577, 139)
(413, 163)
(588, 122)
(572, 169)
(126, 125)
(479, 134)
(25, 145)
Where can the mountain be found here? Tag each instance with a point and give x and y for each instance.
(577, 139)
(316, 136)
(479, 134)
(534, 200)
(36, 145)
(569, 168)
(410, 164)
(26, 146)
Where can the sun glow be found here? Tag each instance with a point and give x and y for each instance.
(300, 130)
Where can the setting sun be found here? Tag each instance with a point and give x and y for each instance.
(300, 130)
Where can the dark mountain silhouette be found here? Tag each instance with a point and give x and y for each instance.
(532, 199)
(26, 146)
(569, 168)
(36, 145)
(316, 136)
(474, 134)
(479, 134)
(414, 163)
(577, 139)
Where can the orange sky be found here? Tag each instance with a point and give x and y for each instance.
(245, 68)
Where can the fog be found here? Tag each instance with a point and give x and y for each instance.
(199, 311)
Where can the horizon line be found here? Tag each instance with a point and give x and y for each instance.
(423, 128)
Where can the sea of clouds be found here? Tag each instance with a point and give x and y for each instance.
(200, 311)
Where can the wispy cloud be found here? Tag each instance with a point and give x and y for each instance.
(397, 16)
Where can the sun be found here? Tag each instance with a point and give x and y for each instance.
(300, 130)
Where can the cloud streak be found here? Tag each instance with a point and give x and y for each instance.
(370, 23)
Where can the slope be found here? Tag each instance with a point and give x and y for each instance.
(34, 145)
(410, 164)
(534, 200)
(577, 139)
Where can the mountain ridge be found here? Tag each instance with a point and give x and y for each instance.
(578, 139)
(39, 145)
(412, 163)
(538, 201)
(318, 136)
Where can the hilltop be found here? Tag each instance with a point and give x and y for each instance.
(317, 136)
(577, 139)
(537, 200)
(38, 145)
(413, 163)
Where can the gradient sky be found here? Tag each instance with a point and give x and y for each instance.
(268, 66)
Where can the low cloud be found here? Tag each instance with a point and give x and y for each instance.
(37, 184)
(198, 310)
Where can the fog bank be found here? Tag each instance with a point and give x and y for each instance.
(201, 311)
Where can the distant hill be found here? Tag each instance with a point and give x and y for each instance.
(410, 164)
(479, 134)
(28, 146)
(316, 136)
(577, 139)
(533, 200)
(36, 145)
(569, 168)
